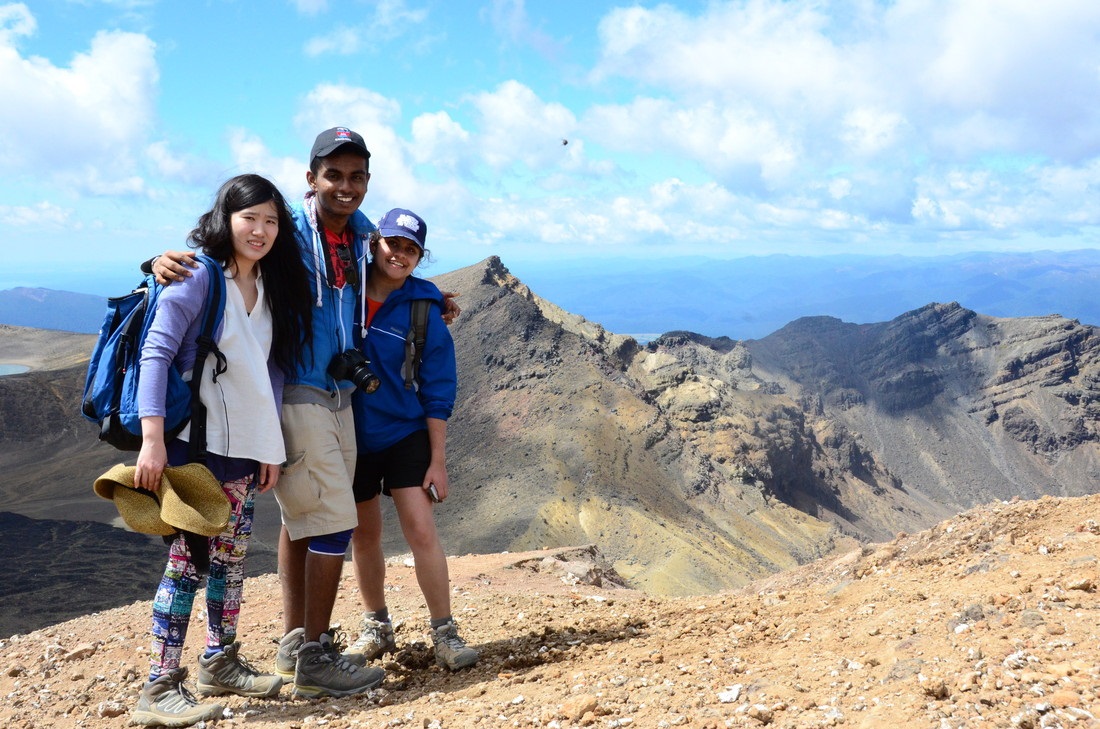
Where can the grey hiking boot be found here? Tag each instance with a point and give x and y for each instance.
(286, 660)
(340, 650)
(375, 640)
(451, 651)
(167, 702)
(322, 671)
(227, 672)
(287, 657)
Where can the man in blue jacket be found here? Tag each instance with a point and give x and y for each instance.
(315, 491)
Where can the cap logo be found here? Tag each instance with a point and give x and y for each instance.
(407, 221)
(342, 133)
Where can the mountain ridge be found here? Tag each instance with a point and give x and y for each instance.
(695, 463)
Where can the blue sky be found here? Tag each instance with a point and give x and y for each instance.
(721, 129)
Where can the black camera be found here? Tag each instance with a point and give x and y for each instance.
(352, 365)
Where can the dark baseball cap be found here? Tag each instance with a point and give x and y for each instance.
(333, 139)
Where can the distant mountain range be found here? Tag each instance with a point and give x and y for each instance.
(50, 309)
(749, 298)
(744, 298)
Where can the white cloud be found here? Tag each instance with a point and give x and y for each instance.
(868, 131)
(310, 7)
(734, 143)
(1048, 198)
(391, 18)
(706, 215)
(746, 125)
(16, 22)
(250, 154)
(642, 217)
(440, 141)
(97, 113)
(129, 4)
(343, 41)
(91, 181)
(367, 112)
(777, 53)
(173, 166)
(511, 21)
(1032, 66)
(40, 215)
(862, 114)
(515, 126)
(796, 122)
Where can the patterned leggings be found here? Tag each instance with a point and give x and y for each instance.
(224, 584)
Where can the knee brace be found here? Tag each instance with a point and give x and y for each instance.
(331, 544)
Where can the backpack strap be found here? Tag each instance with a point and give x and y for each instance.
(212, 313)
(414, 341)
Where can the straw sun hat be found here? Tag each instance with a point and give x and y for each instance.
(189, 499)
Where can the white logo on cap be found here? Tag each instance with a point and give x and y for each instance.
(408, 221)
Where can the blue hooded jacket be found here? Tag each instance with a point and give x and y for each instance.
(333, 317)
(391, 413)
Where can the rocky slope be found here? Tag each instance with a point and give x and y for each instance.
(699, 463)
(988, 619)
(694, 464)
(959, 406)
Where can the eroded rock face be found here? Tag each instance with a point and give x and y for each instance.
(961, 406)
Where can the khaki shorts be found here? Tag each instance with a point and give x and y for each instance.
(314, 490)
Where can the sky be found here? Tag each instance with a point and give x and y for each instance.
(559, 133)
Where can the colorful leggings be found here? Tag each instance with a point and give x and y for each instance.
(224, 584)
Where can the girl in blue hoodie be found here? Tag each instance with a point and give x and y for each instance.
(401, 433)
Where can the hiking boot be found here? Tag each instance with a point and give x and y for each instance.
(451, 651)
(375, 640)
(286, 660)
(227, 672)
(340, 651)
(167, 702)
(322, 671)
(287, 657)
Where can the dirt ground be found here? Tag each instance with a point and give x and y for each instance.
(989, 619)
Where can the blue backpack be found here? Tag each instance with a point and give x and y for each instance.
(111, 385)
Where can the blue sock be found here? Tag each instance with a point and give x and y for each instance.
(211, 652)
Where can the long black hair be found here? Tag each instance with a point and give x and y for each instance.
(286, 281)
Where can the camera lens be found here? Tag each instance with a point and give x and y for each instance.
(352, 365)
(364, 379)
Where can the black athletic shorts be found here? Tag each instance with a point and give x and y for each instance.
(401, 466)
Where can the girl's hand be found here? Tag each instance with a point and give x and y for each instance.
(436, 476)
(152, 458)
(268, 477)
